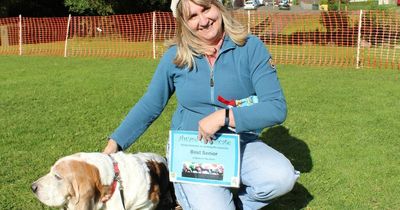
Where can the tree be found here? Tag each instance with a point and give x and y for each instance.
(54, 8)
(129, 6)
(90, 7)
(107, 7)
(32, 8)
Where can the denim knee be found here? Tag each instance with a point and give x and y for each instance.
(275, 186)
(202, 197)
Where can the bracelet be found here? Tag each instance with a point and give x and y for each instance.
(226, 123)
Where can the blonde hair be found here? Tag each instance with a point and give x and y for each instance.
(189, 45)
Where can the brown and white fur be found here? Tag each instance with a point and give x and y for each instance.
(80, 182)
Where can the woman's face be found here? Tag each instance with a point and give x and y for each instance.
(206, 23)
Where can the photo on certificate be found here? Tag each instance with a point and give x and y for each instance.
(193, 161)
(213, 171)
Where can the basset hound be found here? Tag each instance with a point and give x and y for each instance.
(86, 181)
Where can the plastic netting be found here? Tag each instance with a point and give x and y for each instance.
(348, 39)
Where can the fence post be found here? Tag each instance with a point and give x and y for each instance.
(248, 21)
(154, 35)
(359, 41)
(20, 34)
(66, 36)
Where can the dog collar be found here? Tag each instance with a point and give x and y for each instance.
(116, 179)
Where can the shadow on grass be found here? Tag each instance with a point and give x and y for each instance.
(298, 153)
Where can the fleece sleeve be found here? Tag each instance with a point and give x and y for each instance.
(149, 107)
(271, 108)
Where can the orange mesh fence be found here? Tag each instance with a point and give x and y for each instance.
(380, 40)
(343, 39)
(9, 36)
(311, 38)
(349, 39)
(43, 36)
(165, 28)
(111, 36)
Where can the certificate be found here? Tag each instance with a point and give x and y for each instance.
(193, 161)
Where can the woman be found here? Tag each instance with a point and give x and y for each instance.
(211, 59)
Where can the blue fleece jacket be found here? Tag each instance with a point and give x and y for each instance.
(238, 72)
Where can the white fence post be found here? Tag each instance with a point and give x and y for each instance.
(359, 41)
(154, 35)
(248, 21)
(66, 36)
(20, 34)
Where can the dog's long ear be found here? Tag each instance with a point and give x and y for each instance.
(89, 185)
(101, 190)
(85, 182)
(75, 192)
(68, 172)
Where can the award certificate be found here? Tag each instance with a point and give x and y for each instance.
(193, 161)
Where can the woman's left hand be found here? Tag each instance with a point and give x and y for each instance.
(209, 125)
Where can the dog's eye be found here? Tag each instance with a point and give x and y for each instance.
(58, 177)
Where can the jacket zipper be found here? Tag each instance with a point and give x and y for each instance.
(212, 78)
(212, 83)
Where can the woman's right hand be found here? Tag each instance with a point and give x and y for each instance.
(112, 147)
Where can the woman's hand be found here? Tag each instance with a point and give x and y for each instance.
(112, 147)
(209, 125)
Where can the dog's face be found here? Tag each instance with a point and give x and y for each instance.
(53, 189)
(69, 182)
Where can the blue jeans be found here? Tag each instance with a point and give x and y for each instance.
(265, 174)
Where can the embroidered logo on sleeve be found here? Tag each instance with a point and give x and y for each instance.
(271, 63)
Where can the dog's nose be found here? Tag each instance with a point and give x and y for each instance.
(34, 187)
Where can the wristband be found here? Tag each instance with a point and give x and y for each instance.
(226, 123)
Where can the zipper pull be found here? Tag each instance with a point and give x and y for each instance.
(211, 82)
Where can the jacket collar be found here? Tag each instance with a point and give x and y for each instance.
(226, 45)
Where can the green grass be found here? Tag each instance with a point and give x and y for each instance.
(341, 131)
(368, 5)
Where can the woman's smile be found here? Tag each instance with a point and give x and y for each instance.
(205, 22)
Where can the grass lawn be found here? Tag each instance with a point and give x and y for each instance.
(342, 130)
